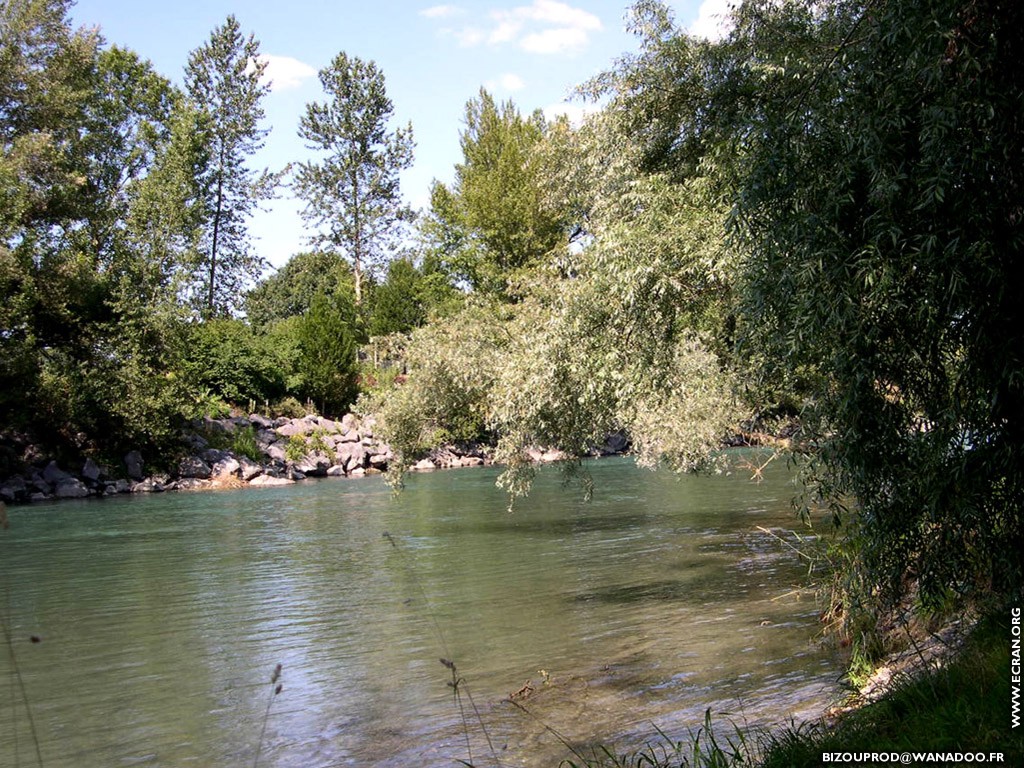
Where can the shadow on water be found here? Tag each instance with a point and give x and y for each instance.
(580, 524)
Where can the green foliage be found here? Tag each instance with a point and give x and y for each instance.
(222, 79)
(494, 220)
(89, 331)
(243, 443)
(288, 407)
(234, 363)
(327, 354)
(958, 707)
(398, 302)
(705, 747)
(870, 155)
(290, 291)
(299, 446)
(352, 194)
(295, 448)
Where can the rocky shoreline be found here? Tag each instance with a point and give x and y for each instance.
(251, 450)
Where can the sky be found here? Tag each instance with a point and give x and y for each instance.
(434, 56)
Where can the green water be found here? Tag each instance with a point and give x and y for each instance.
(160, 619)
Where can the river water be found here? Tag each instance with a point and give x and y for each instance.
(144, 631)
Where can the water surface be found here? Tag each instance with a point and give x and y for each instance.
(159, 620)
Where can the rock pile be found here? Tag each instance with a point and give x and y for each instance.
(221, 453)
(251, 450)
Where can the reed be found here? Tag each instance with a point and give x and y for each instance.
(276, 686)
(457, 682)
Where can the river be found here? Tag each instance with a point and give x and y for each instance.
(144, 631)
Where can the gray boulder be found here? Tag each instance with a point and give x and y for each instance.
(92, 471)
(149, 485)
(133, 464)
(268, 480)
(350, 455)
(349, 435)
(212, 455)
(260, 422)
(13, 489)
(193, 467)
(54, 474)
(248, 469)
(303, 426)
(226, 467)
(192, 484)
(313, 465)
(277, 453)
(70, 488)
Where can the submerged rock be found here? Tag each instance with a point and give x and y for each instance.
(268, 480)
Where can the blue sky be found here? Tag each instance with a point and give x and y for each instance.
(435, 56)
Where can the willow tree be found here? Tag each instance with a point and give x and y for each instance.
(618, 334)
(872, 153)
(352, 193)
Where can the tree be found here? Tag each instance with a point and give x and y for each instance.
(873, 157)
(234, 363)
(622, 333)
(84, 345)
(222, 78)
(398, 303)
(352, 194)
(290, 291)
(327, 354)
(494, 219)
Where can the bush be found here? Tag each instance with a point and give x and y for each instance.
(288, 407)
(235, 364)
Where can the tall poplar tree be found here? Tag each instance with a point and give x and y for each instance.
(222, 78)
(352, 194)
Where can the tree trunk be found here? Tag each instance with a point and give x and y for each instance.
(216, 233)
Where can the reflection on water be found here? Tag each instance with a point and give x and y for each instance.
(160, 620)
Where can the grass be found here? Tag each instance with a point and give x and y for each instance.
(704, 748)
(961, 707)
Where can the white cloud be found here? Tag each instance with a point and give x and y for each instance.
(508, 82)
(506, 31)
(561, 40)
(544, 26)
(440, 11)
(284, 73)
(712, 20)
(468, 37)
(553, 12)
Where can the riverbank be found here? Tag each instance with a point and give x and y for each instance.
(239, 451)
(945, 698)
(953, 703)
